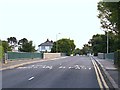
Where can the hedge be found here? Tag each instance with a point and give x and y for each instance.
(117, 58)
(1, 52)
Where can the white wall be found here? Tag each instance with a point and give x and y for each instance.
(48, 48)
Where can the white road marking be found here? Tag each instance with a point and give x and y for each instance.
(89, 68)
(60, 66)
(49, 67)
(31, 78)
(77, 67)
(63, 67)
(44, 66)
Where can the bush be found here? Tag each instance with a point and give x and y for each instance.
(1, 52)
(117, 58)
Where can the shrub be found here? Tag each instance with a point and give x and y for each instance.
(1, 52)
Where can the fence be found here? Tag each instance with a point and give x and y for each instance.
(109, 56)
(23, 55)
(101, 55)
(106, 56)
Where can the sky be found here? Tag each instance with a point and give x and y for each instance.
(38, 20)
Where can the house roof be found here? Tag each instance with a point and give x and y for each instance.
(47, 43)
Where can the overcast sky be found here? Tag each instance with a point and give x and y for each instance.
(38, 20)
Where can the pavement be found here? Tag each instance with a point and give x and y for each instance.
(110, 71)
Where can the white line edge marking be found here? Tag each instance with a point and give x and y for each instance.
(31, 78)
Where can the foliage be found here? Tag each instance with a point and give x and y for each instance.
(109, 13)
(64, 46)
(12, 42)
(22, 41)
(1, 50)
(117, 58)
(77, 51)
(86, 49)
(26, 46)
(99, 43)
(6, 46)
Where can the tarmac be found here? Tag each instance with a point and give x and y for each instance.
(107, 66)
(16, 63)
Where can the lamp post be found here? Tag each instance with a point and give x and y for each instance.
(107, 42)
(56, 42)
(107, 32)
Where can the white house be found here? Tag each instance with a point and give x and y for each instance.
(46, 46)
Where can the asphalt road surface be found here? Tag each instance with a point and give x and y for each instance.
(70, 72)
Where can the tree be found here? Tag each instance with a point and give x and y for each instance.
(86, 49)
(26, 46)
(77, 51)
(99, 42)
(13, 42)
(6, 46)
(64, 46)
(22, 41)
(109, 13)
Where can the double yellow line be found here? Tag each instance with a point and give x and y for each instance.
(100, 77)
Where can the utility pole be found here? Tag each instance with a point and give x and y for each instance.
(107, 42)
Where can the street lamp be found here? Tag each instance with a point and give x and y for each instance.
(56, 42)
(107, 42)
(107, 32)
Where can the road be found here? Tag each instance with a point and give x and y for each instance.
(70, 72)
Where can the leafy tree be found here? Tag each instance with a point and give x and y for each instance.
(22, 41)
(13, 42)
(86, 49)
(26, 46)
(99, 42)
(77, 51)
(109, 13)
(6, 46)
(64, 46)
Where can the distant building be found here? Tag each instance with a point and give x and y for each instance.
(46, 46)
